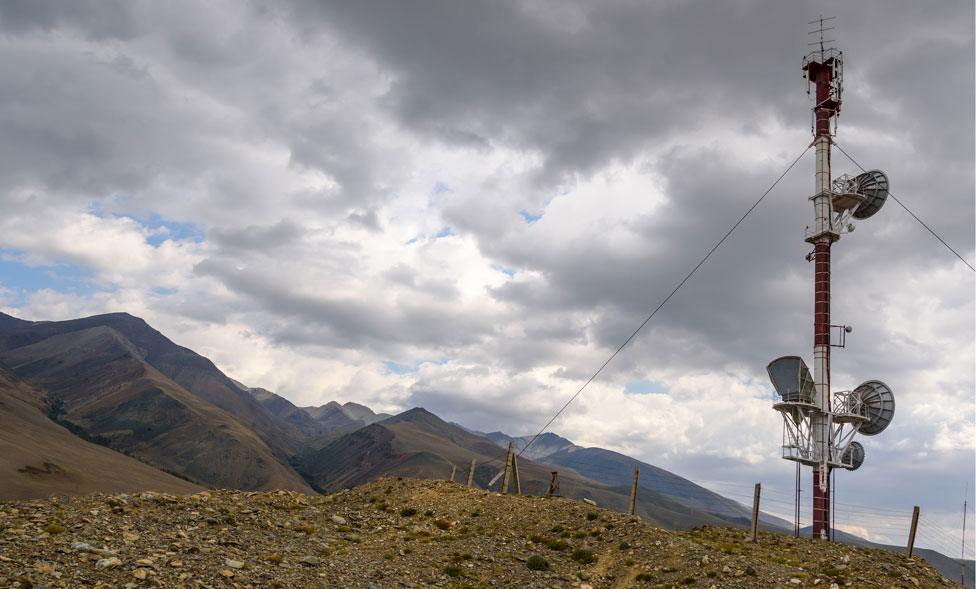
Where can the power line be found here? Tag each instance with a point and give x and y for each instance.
(664, 302)
(921, 222)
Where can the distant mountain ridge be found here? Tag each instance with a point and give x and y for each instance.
(419, 444)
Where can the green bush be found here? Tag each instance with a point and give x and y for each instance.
(556, 545)
(408, 512)
(452, 571)
(537, 562)
(583, 556)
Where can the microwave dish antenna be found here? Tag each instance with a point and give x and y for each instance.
(854, 456)
(878, 405)
(873, 184)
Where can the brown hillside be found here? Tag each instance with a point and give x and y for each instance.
(406, 533)
(193, 372)
(39, 458)
(98, 382)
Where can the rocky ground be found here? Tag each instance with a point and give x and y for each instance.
(404, 533)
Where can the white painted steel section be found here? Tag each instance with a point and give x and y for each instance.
(820, 421)
(821, 199)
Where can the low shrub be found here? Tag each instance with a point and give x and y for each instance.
(583, 556)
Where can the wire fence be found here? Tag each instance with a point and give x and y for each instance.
(879, 525)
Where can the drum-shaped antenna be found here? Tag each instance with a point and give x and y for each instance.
(878, 405)
(873, 184)
(791, 379)
(854, 455)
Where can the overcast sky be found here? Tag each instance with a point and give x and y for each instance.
(467, 206)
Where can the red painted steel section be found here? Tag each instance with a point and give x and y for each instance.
(821, 337)
(821, 299)
(824, 108)
(821, 507)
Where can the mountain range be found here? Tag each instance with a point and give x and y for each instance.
(118, 384)
(109, 404)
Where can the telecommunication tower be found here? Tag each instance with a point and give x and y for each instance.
(819, 427)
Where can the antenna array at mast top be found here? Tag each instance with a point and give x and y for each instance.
(821, 29)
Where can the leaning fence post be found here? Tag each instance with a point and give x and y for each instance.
(755, 514)
(508, 470)
(633, 490)
(453, 472)
(518, 483)
(553, 483)
(911, 533)
(471, 473)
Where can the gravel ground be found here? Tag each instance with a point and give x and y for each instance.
(404, 533)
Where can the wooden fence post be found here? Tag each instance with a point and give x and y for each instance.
(508, 470)
(633, 490)
(518, 484)
(755, 514)
(453, 472)
(553, 484)
(911, 533)
(471, 473)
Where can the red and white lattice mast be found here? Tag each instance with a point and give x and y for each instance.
(819, 426)
(824, 71)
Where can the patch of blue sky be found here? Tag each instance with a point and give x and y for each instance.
(438, 194)
(95, 208)
(646, 387)
(529, 218)
(163, 229)
(160, 228)
(23, 279)
(392, 367)
(505, 270)
(445, 231)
